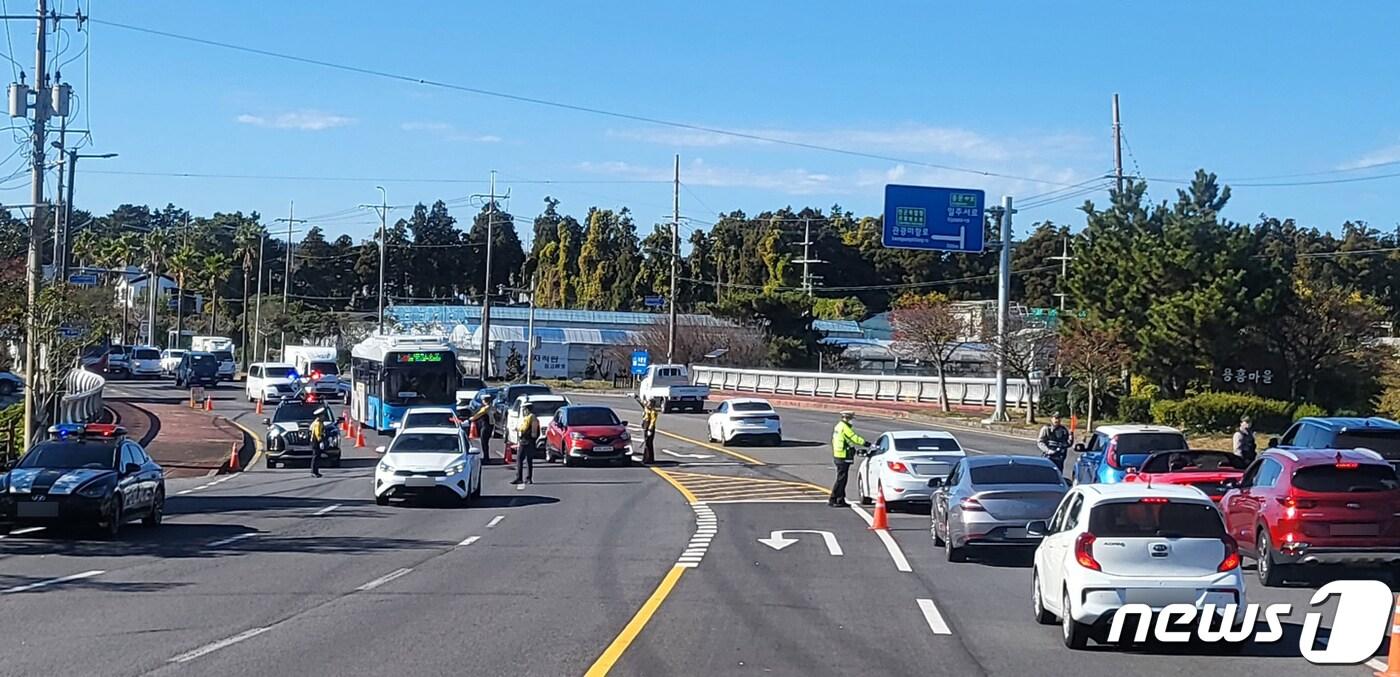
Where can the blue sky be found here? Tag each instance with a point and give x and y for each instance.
(1245, 89)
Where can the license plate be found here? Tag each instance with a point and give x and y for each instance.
(1015, 532)
(37, 509)
(1355, 529)
(602, 450)
(420, 482)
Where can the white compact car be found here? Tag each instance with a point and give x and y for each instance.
(903, 461)
(427, 417)
(169, 359)
(270, 381)
(544, 407)
(746, 419)
(1109, 545)
(428, 462)
(144, 361)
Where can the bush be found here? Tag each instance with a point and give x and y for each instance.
(1308, 409)
(1054, 400)
(1135, 409)
(1221, 412)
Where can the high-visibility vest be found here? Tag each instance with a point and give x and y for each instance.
(843, 437)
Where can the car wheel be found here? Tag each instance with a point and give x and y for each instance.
(776, 440)
(271, 464)
(954, 554)
(568, 462)
(860, 487)
(1076, 634)
(1271, 573)
(1042, 616)
(333, 461)
(157, 513)
(937, 540)
(381, 499)
(476, 491)
(113, 528)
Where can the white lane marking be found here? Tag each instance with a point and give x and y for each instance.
(52, 581)
(182, 492)
(469, 540)
(494, 521)
(520, 487)
(383, 579)
(325, 510)
(231, 539)
(215, 646)
(935, 619)
(1376, 664)
(896, 554)
(680, 455)
(20, 532)
(202, 486)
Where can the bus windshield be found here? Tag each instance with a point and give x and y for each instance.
(420, 384)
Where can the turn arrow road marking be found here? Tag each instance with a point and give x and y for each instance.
(777, 540)
(678, 455)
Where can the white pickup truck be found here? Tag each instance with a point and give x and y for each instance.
(671, 383)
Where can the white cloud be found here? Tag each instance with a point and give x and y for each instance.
(700, 173)
(1381, 156)
(448, 132)
(305, 120)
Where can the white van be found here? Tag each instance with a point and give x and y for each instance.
(316, 365)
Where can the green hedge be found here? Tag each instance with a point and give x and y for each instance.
(1221, 412)
(1308, 409)
(1135, 409)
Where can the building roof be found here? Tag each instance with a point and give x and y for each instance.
(596, 337)
(830, 327)
(471, 315)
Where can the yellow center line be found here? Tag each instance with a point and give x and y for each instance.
(689, 497)
(745, 458)
(624, 639)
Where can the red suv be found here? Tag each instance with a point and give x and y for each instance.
(580, 433)
(1315, 506)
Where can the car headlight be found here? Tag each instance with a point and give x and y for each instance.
(576, 436)
(626, 436)
(384, 465)
(456, 467)
(96, 489)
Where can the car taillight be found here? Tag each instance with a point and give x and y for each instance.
(1154, 499)
(1347, 466)
(1110, 455)
(1231, 561)
(971, 505)
(1291, 506)
(1084, 551)
(897, 466)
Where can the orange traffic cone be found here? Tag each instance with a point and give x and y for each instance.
(1392, 661)
(510, 457)
(359, 439)
(233, 464)
(258, 409)
(882, 519)
(209, 404)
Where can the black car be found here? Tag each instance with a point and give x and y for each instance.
(289, 432)
(197, 368)
(1380, 435)
(507, 396)
(466, 411)
(85, 474)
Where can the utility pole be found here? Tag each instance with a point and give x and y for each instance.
(383, 210)
(1064, 259)
(291, 220)
(675, 254)
(530, 336)
(486, 286)
(1117, 146)
(257, 312)
(808, 279)
(36, 228)
(1003, 303)
(63, 237)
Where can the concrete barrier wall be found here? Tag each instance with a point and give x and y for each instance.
(962, 391)
(83, 403)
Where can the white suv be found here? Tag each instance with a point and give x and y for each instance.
(1109, 545)
(271, 381)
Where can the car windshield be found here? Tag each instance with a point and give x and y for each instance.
(1173, 519)
(119, 350)
(1346, 478)
(473, 384)
(202, 358)
(1015, 473)
(80, 454)
(1132, 449)
(547, 407)
(298, 412)
(147, 354)
(1192, 461)
(592, 416)
(277, 372)
(223, 355)
(517, 392)
(1384, 442)
(926, 444)
(327, 368)
(426, 443)
(429, 419)
(174, 353)
(752, 406)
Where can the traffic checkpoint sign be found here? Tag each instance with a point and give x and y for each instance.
(641, 359)
(82, 279)
(933, 218)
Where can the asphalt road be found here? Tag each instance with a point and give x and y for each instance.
(609, 569)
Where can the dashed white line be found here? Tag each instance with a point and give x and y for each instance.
(934, 619)
(230, 539)
(494, 521)
(52, 581)
(215, 646)
(383, 579)
(896, 554)
(21, 532)
(469, 540)
(325, 510)
(182, 492)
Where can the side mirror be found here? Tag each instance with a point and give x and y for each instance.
(624, 423)
(267, 421)
(1079, 447)
(132, 468)
(1037, 528)
(395, 425)
(379, 450)
(935, 482)
(1273, 441)
(1230, 484)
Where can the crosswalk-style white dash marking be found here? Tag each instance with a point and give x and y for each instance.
(935, 619)
(469, 540)
(52, 581)
(215, 646)
(383, 579)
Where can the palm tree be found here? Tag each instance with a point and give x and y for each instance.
(87, 247)
(183, 264)
(155, 251)
(215, 270)
(247, 248)
(118, 252)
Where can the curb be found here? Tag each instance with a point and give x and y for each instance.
(878, 412)
(252, 448)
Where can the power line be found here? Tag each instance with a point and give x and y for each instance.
(567, 106)
(879, 287)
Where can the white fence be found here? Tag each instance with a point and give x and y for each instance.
(961, 390)
(83, 402)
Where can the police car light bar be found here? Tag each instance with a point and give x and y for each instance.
(66, 430)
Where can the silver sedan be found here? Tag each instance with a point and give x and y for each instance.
(987, 501)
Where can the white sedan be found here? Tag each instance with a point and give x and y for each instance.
(746, 419)
(429, 463)
(903, 461)
(169, 359)
(1110, 545)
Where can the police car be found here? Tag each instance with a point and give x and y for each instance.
(84, 474)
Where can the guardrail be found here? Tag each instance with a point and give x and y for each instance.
(83, 401)
(962, 390)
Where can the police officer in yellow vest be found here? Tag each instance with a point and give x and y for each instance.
(844, 443)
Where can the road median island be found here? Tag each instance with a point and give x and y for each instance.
(186, 442)
(967, 418)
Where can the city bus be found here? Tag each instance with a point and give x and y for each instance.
(389, 374)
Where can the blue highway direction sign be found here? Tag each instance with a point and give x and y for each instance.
(641, 359)
(924, 217)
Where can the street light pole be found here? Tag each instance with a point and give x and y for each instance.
(675, 254)
(530, 336)
(257, 313)
(486, 287)
(63, 242)
(383, 246)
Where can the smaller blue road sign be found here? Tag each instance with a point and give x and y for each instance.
(641, 359)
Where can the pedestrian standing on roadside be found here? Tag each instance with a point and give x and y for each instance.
(1245, 446)
(318, 439)
(651, 412)
(484, 430)
(528, 432)
(1054, 441)
(844, 442)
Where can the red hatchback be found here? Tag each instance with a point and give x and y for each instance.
(1213, 472)
(581, 433)
(1315, 506)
